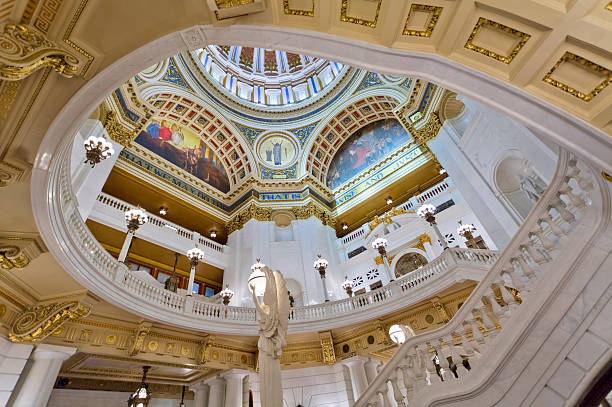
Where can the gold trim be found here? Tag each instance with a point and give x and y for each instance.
(296, 12)
(41, 321)
(586, 64)
(116, 131)
(67, 40)
(604, 174)
(348, 19)
(506, 59)
(434, 12)
(609, 6)
(232, 3)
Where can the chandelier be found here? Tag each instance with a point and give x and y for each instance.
(226, 294)
(135, 218)
(141, 397)
(97, 149)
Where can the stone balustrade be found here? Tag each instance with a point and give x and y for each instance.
(426, 363)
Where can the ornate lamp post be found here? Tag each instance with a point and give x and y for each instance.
(348, 286)
(467, 232)
(97, 149)
(195, 255)
(380, 244)
(257, 279)
(321, 265)
(428, 212)
(134, 218)
(141, 397)
(226, 295)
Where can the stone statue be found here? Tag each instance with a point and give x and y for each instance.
(531, 186)
(273, 320)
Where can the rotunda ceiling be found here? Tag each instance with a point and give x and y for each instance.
(266, 76)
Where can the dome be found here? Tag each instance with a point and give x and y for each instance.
(269, 77)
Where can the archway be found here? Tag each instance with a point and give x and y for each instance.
(408, 263)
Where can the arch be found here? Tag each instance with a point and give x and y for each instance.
(517, 184)
(295, 288)
(568, 131)
(404, 252)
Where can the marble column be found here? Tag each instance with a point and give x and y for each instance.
(371, 369)
(35, 386)
(201, 393)
(216, 397)
(359, 380)
(13, 357)
(233, 387)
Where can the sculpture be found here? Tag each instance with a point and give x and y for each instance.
(273, 320)
(532, 186)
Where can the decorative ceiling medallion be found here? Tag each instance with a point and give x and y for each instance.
(297, 12)
(584, 64)
(433, 13)
(521, 39)
(277, 150)
(354, 20)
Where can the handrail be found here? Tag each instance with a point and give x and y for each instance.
(115, 203)
(455, 348)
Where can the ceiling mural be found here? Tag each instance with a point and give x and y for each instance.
(365, 147)
(183, 148)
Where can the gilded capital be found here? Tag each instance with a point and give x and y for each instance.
(36, 323)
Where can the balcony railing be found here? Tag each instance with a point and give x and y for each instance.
(425, 364)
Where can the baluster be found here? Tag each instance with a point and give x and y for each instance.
(574, 172)
(535, 255)
(445, 358)
(556, 229)
(480, 314)
(497, 313)
(525, 269)
(546, 243)
(508, 298)
(381, 394)
(574, 199)
(565, 214)
(477, 337)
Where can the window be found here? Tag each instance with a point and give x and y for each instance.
(162, 277)
(376, 285)
(209, 291)
(196, 288)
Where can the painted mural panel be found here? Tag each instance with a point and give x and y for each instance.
(365, 147)
(184, 149)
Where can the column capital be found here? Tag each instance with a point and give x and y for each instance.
(214, 381)
(52, 352)
(354, 360)
(234, 374)
(199, 386)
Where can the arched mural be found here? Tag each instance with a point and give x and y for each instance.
(184, 149)
(409, 262)
(365, 147)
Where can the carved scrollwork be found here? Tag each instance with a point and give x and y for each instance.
(117, 131)
(16, 251)
(12, 257)
(24, 50)
(37, 323)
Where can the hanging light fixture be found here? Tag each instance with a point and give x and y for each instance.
(213, 234)
(97, 149)
(344, 226)
(226, 294)
(348, 286)
(182, 397)
(389, 200)
(321, 265)
(141, 397)
(257, 279)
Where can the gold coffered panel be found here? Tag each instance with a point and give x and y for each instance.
(495, 40)
(362, 12)
(299, 7)
(586, 78)
(422, 20)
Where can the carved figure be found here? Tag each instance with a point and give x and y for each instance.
(531, 186)
(273, 320)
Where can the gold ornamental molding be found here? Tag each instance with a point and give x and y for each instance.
(298, 12)
(139, 336)
(117, 131)
(354, 20)
(521, 38)
(265, 215)
(17, 250)
(327, 347)
(609, 6)
(37, 323)
(24, 50)
(234, 8)
(433, 13)
(588, 66)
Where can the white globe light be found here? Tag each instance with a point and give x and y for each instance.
(320, 263)
(465, 229)
(257, 279)
(348, 284)
(379, 242)
(136, 215)
(397, 334)
(426, 210)
(195, 254)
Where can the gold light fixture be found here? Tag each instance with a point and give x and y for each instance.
(141, 397)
